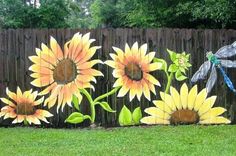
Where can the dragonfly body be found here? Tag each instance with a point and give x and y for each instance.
(216, 61)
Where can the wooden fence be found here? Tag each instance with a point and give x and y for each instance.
(17, 45)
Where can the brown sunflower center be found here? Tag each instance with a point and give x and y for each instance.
(133, 71)
(184, 116)
(65, 71)
(25, 109)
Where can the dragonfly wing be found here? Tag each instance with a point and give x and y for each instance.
(226, 51)
(212, 79)
(202, 71)
(228, 63)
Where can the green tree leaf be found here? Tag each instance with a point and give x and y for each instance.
(106, 106)
(173, 68)
(77, 117)
(137, 115)
(125, 117)
(172, 55)
(163, 62)
(179, 76)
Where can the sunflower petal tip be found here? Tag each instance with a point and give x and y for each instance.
(52, 38)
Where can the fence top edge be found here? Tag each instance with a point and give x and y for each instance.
(135, 28)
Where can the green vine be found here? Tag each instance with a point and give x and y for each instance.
(77, 117)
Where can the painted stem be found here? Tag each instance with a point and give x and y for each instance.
(106, 94)
(91, 102)
(94, 102)
(169, 80)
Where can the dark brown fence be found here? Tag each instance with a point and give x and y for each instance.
(17, 45)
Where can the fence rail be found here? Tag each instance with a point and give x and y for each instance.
(17, 45)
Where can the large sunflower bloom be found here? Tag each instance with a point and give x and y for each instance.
(131, 68)
(64, 73)
(185, 108)
(21, 106)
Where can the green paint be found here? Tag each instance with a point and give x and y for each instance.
(211, 57)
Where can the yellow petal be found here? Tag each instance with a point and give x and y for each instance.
(50, 102)
(40, 117)
(86, 37)
(110, 63)
(39, 101)
(33, 119)
(151, 79)
(42, 81)
(143, 50)
(27, 93)
(161, 105)
(216, 120)
(48, 89)
(56, 48)
(154, 111)
(149, 57)
(168, 100)
(11, 95)
(119, 82)
(184, 95)
(131, 94)
(207, 105)
(89, 54)
(146, 90)
(19, 93)
(151, 120)
(201, 97)
(176, 97)
(212, 113)
(19, 119)
(127, 50)
(191, 97)
(8, 102)
(120, 53)
(154, 66)
(134, 48)
(139, 91)
(44, 113)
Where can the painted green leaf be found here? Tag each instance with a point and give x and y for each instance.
(172, 55)
(137, 115)
(182, 69)
(163, 62)
(106, 106)
(179, 76)
(188, 64)
(77, 117)
(76, 103)
(125, 117)
(173, 68)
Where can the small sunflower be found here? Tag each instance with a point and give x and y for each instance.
(22, 106)
(64, 73)
(131, 68)
(180, 64)
(185, 108)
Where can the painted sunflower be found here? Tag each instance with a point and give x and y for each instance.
(22, 106)
(64, 73)
(185, 108)
(131, 68)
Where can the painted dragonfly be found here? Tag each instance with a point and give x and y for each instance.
(217, 60)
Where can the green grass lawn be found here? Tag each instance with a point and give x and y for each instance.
(156, 140)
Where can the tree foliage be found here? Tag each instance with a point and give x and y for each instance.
(165, 13)
(119, 13)
(17, 14)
